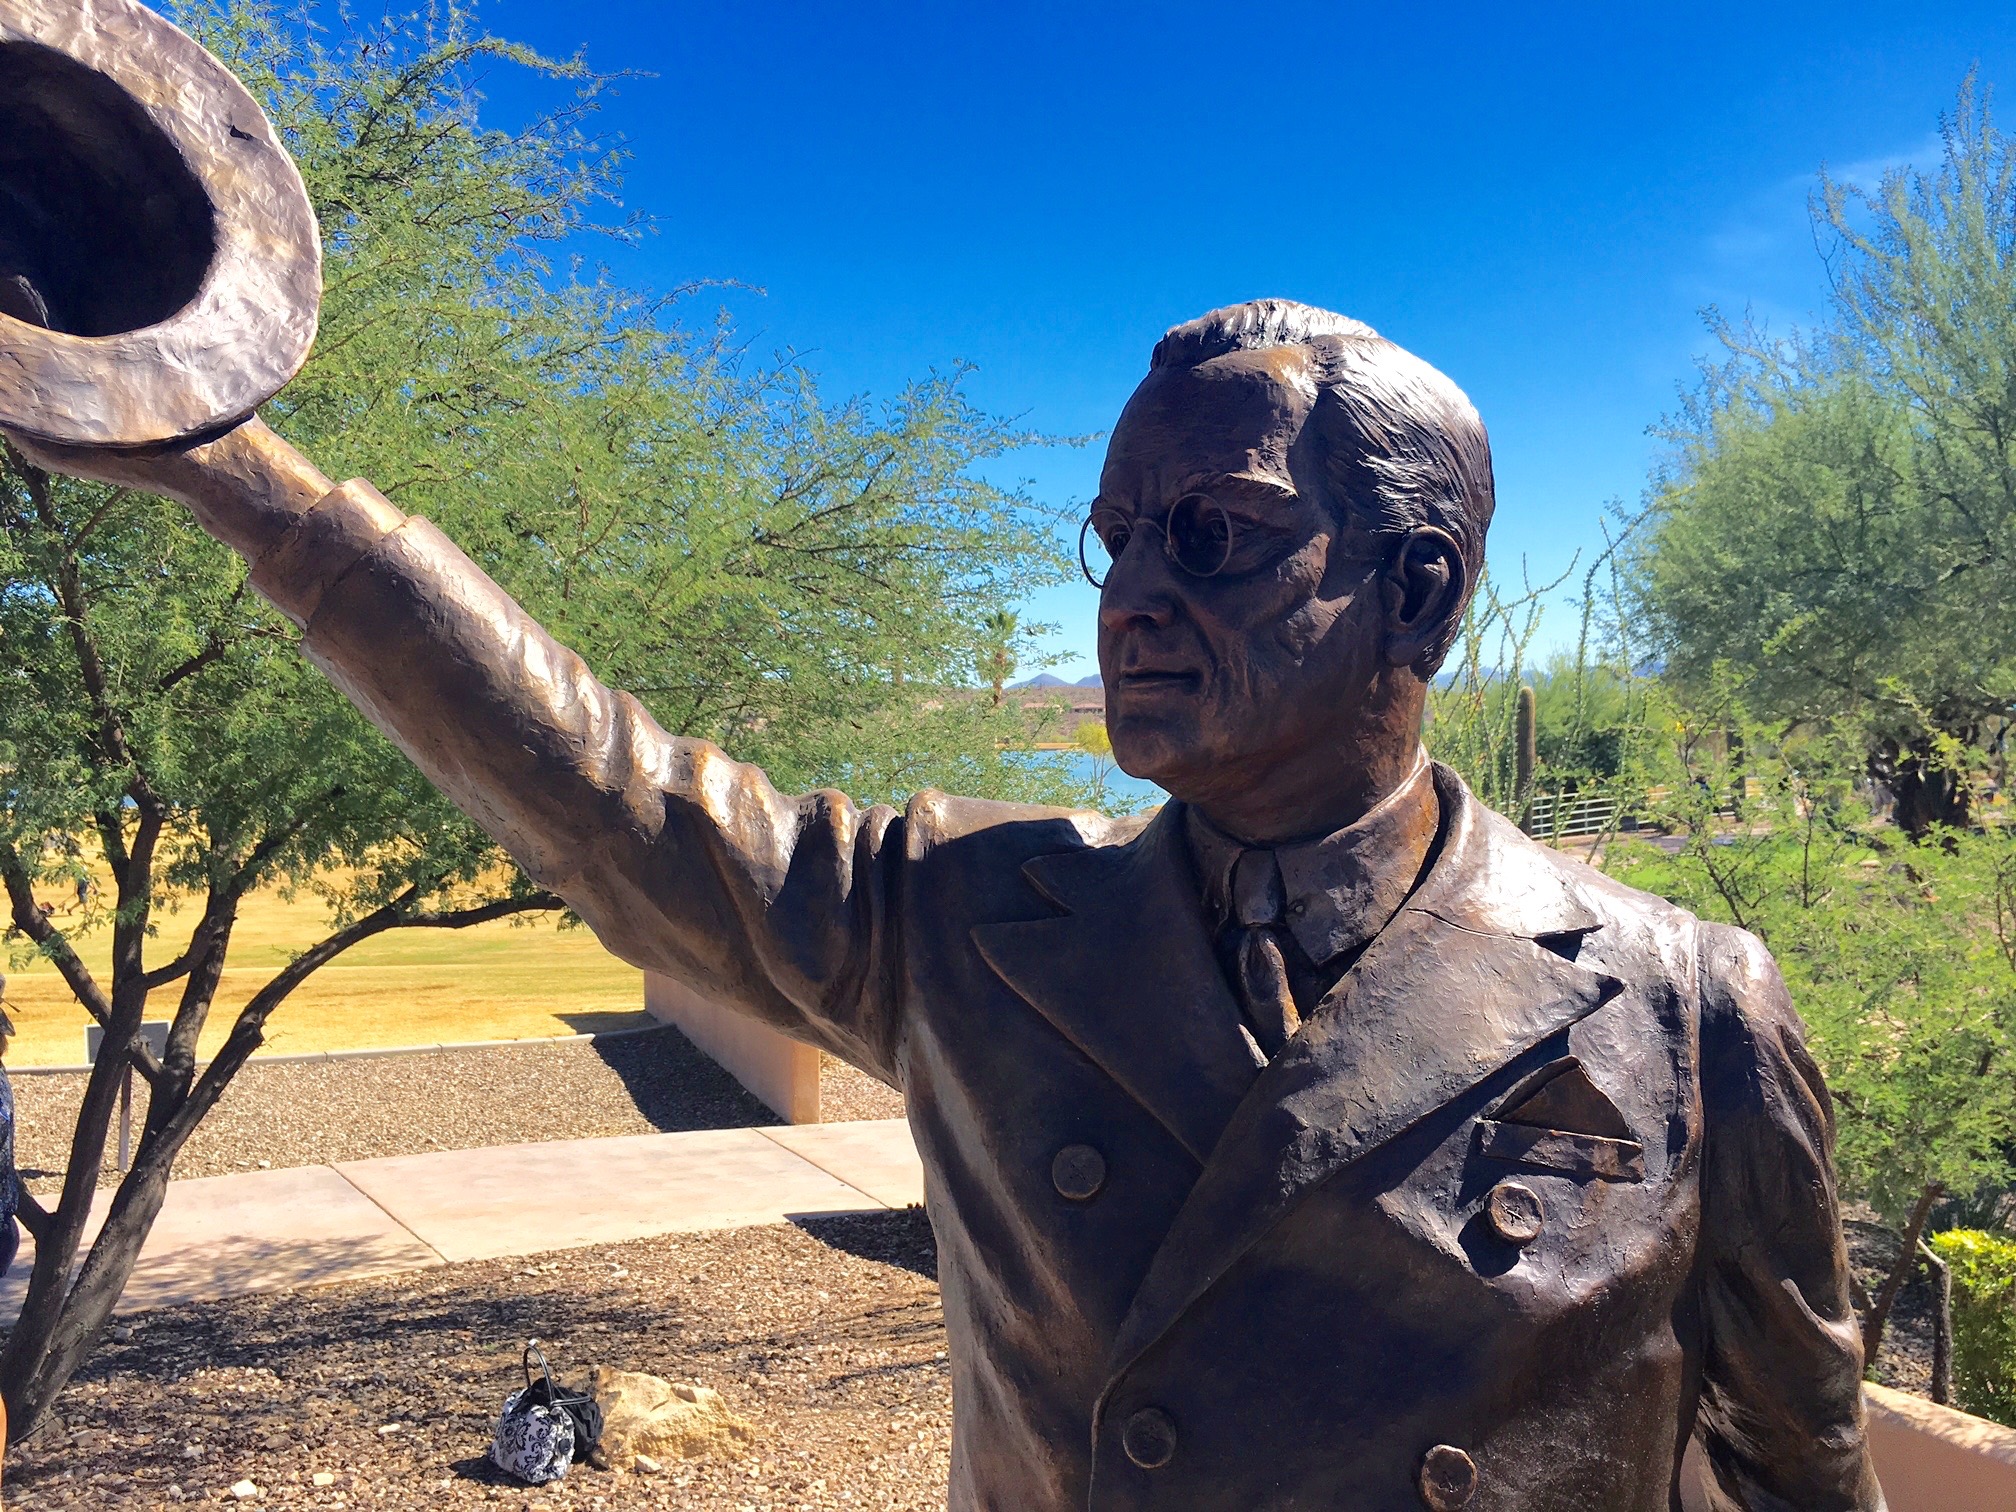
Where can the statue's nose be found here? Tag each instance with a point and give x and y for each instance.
(1140, 585)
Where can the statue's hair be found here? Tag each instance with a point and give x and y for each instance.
(1248, 327)
(1400, 445)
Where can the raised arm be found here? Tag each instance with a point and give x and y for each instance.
(682, 861)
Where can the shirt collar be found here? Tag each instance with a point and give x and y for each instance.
(1344, 888)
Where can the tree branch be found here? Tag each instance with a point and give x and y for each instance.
(501, 908)
(34, 1217)
(248, 1032)
(32, 919)
(90, 665)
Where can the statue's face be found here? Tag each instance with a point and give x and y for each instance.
(1213, 682)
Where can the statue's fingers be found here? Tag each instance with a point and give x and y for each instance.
(87, 462)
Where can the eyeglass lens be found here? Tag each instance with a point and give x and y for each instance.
(1197, 537)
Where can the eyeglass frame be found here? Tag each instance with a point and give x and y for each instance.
(1382, 541)
(1161, 525)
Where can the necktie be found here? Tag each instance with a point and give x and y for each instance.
(1258, 917)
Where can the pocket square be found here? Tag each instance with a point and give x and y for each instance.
(1559, 1120)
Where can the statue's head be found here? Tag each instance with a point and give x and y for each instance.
(1289, 524)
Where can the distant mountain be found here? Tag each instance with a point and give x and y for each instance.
(1049, 680)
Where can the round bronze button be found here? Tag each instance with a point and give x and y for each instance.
(1515, 1212)
(1078, 1172)
(1149, 1438)
(1448, 1478)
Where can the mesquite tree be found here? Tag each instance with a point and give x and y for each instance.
(1837, 524)
(789, 577)
(1900, 957)
(160, 716)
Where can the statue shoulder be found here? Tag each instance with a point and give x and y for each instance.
(1742, 989)
(1527, 870)
(935, 820)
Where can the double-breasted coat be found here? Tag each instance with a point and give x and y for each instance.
(1541, 1189)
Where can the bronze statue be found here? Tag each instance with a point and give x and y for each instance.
(1319, 1142)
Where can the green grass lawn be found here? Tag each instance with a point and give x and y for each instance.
(506, 980)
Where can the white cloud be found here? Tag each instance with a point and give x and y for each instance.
(1762, 259)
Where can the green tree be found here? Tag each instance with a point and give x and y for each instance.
(1092, 738)
(787, 576)
(1901, 958)
(1838, 520)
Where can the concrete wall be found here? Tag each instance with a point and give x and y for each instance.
(1933, 1459)
(1929, 1458)
(777, 1069)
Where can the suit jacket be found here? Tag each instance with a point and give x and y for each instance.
(1541, 1190)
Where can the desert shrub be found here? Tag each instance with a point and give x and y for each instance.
(1984, 1320)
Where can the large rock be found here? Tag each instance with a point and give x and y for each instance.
(661, 1420)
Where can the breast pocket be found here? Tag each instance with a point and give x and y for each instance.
(1561, 1150)
(1558, 1120)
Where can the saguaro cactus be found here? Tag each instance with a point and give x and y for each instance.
(1528, 756)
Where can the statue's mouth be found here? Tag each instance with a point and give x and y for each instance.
(1159, 682)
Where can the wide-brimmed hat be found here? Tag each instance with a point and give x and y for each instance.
(165, 270)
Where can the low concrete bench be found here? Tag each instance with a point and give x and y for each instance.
(778, 1070)
(1929, 1458)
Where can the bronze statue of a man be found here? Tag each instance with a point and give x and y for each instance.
(1321, 1142)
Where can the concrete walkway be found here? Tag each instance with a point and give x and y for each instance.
(222, 1236)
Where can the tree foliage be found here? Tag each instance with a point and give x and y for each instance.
(792, 577)
(1901, 958)
(760, 567)
(1984, 1320)
(1838, 520)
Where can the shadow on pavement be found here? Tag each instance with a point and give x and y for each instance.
(901, 1237)
(676, 1086)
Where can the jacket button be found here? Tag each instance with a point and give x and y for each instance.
(1515, 1212)
(1078, 1172)
(1149, 1438)
(1448, 1478)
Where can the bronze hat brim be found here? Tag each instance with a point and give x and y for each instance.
(249, 326)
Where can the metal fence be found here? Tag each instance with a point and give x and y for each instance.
(1570, 817)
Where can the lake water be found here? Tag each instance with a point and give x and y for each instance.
(1133, 792)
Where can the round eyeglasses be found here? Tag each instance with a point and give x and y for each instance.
(1197, 538)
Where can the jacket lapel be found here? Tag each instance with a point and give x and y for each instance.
(1453, 990)
(1127, 974)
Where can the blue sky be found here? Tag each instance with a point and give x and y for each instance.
(1539, 200)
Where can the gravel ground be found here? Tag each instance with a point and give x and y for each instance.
(313, 1112)
(846, 1094)
(828, 1336)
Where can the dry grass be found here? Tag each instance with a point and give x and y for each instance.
(506, 980)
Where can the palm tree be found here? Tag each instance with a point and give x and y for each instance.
(1001, 626)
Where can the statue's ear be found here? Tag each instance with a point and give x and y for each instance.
(1424, 591)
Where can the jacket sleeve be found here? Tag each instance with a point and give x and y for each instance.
(682, 861)
(1781, 1418)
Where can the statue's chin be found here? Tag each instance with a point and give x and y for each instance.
(1153, 752)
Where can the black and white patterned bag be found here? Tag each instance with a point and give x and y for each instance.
(543, 1429)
